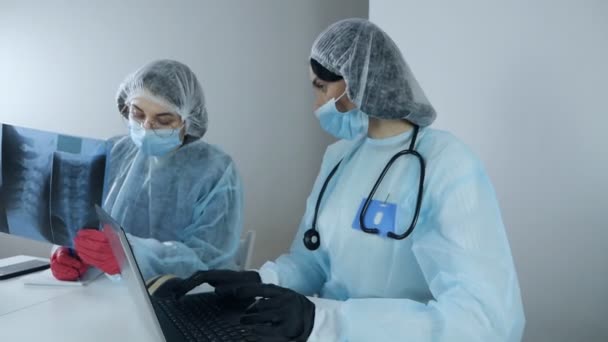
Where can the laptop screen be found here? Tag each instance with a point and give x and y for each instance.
(129, 271)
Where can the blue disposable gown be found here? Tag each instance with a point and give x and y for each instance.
(452, 279)
(182, 211)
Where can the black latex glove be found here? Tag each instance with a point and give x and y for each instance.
(280, 314)
(170, 286)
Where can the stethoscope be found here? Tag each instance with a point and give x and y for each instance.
(312, 240)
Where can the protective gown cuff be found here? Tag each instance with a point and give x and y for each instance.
(268, 273)
(327, 325)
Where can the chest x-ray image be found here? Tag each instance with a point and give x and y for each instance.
(49, 183)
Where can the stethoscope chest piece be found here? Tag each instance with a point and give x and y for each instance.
(312, 240)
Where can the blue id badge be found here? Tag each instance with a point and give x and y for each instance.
(380, 215)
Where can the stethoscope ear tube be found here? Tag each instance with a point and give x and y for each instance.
(312, 239)
(363, 214)
(418, 202)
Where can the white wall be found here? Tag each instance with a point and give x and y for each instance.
(524, 84)
(61, 62)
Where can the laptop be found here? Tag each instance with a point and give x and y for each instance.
(194, 318)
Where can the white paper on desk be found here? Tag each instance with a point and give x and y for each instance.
(46, 278)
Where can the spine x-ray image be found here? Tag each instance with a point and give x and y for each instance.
(49, 183)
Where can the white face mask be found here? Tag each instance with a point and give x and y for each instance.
(347, 125)
(157, 142)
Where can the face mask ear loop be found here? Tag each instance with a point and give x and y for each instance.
(341, 96)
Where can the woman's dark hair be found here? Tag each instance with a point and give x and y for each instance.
(322, 73)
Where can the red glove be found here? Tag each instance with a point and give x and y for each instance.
(94, 249)
(66, 265)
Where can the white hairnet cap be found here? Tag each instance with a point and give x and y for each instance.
(378, 79)
(172, 84)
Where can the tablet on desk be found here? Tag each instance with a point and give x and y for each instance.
(21, 268)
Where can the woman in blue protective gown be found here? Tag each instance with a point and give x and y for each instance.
(402, 238)
(178, 197)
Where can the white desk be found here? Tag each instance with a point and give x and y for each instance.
(100, 311)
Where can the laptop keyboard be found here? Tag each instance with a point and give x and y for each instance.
(199, 319)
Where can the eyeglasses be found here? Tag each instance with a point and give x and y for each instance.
(162, 123)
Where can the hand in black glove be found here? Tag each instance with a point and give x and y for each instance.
(170, 286)
(280, 314)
